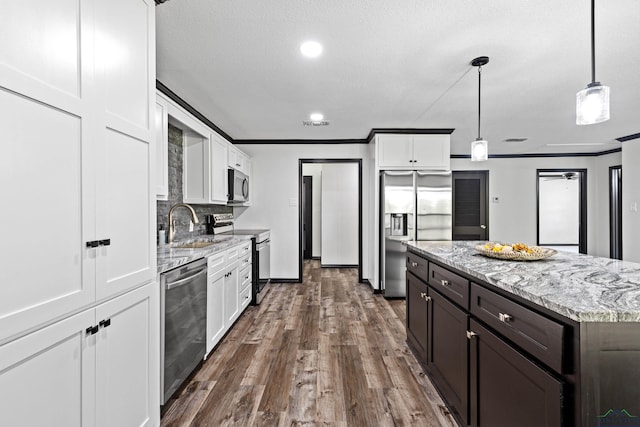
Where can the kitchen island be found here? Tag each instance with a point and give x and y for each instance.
(550, 342)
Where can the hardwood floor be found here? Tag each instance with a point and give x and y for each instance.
(326, 352)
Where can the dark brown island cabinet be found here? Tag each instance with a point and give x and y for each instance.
(501, 361)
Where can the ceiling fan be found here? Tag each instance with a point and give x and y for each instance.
(564, 175)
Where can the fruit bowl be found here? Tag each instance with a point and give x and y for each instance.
(515, 252)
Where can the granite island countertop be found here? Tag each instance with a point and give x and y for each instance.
(171, 256)
(581, 287)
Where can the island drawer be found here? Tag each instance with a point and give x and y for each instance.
(417, 265)
(449, 284)
(536, 334)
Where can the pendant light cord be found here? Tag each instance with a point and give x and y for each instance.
(593, 41)
(479, 86)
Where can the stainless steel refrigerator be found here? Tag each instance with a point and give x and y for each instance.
(415, 205)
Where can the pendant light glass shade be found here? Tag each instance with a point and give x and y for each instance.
(592, 104)
(479, 150)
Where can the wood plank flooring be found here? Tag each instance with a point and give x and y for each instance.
(327, 352)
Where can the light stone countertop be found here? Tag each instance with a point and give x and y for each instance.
(581, 287)
(170, 256)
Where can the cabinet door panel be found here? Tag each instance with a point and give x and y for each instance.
(431, 152)
(395, 151)
(448, 353)
(46, 378)
(231, 303)
(507, 389)
(219, 175)
(124, 43)
(417, 315)
(124, 216)
(47, 203)
(127, 365)
(215, 311)
(162, 150)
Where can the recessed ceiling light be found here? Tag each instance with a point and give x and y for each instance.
(311, 49)
(316, 117)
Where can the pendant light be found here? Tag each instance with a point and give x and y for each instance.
(479, 147)
(592, 102)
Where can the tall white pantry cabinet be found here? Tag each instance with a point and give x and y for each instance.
(79, 321)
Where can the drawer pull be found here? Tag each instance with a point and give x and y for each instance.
(414, 264)
(471, 334)
(505, 317)
(444, 282)
(423, 294)
(427, 298)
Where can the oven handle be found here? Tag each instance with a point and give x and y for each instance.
(183, 281)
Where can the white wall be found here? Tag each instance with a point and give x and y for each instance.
(274, 202)
(559, 211)
(630, 200)
(314, 170)
(513, 181)
(340, 214)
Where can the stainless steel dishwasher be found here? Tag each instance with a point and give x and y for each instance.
(183, 323)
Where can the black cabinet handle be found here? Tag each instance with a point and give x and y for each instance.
(105, 323)
(96, 243)
(92, 330)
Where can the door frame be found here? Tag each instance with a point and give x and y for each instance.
(484, 172)
(301, 162)
(307, 209)
(582, 214)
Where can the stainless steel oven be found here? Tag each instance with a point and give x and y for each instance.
(183, 323)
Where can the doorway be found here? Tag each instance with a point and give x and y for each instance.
(340, 215)
(615, 212)
(562, 209)
(470, 208)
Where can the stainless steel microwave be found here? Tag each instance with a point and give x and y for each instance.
(238, 187)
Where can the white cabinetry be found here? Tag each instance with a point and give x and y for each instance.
(406, 151)
(228, 290)
(218, 166)
(162, 148)
(86, 77)
(81, 378)
(238, 160)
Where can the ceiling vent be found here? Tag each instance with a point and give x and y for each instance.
(515, 139)
(315, 123)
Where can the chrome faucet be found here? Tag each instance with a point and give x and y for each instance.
(172, 226)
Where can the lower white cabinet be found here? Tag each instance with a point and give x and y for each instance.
(96, 368)
(228, 290)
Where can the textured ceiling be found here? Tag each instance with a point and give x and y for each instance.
(404, 64)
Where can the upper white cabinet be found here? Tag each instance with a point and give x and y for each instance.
(406, 151)
(238, 160)
(218, 171)
(162, 148)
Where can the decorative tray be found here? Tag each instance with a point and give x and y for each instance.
(515, 252)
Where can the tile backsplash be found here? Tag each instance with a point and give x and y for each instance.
(181, 215)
